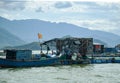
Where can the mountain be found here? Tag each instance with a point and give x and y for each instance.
(32, 46)
(28, 30)
(8, 39)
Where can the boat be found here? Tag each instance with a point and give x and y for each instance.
(24, 58)
(68, 51)
(65, 48)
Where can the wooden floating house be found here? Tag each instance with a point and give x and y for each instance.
(75, 45)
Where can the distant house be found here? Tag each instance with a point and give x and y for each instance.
(98, 48)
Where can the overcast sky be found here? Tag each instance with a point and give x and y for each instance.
(94, 15)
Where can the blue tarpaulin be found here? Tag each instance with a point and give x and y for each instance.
(110, 50)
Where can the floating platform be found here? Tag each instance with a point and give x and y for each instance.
(52, 62)
(101, 61)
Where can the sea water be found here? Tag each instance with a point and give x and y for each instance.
(91, 73)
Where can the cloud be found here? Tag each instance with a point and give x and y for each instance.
(93, 15)
(12, 5)
(100, 6)
(93, 24)
(39, 10)
(61, 5)
(101, 24)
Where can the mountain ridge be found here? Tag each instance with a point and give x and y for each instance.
(28, 29)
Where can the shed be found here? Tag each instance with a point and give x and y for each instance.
(76, 45)
(18, 54)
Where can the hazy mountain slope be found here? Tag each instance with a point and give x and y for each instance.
(32, 46)
(28, 29)
(8, 39)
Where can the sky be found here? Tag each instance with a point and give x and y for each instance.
(92, 14)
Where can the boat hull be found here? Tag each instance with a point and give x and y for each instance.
(51, 62)
(102, 61)
(34, 63)
(39, 63)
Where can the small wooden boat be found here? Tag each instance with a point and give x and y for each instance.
(24, 58)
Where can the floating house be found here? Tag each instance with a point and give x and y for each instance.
(83, 46)
(98, 48)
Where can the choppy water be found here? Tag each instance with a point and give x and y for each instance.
(93, 73)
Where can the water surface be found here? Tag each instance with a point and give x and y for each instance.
(92, 73)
